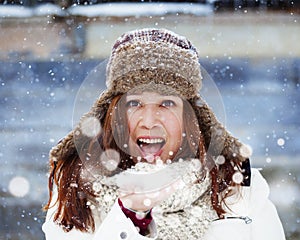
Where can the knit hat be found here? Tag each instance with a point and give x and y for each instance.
(149, 58)
(153, 55)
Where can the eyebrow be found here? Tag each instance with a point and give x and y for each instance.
(154, 100)
(160, 95)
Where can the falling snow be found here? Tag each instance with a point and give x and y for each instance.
(110, 159)
(147, 202)
(19, 186)
(246, 151)
(237, 177)
(260, 98)
(90, 127)
(280, 142)
(220, 160)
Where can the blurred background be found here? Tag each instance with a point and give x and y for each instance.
(47, 48)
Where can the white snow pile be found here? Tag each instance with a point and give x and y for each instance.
(107, 9)
(140, 9)
(12, 11)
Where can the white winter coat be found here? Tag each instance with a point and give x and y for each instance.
(252, 202)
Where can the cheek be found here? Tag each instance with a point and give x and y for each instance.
(173, 122)
(132, 122)
(174, 128)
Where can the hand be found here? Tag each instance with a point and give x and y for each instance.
(144, 201)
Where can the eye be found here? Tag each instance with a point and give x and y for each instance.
(133, 103)
(168, 103)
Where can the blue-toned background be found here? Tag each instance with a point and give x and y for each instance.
(253, 58)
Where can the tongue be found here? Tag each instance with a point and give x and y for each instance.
(150, 148)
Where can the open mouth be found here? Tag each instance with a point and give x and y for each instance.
(151, 145)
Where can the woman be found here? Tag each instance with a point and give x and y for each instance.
(150, 160)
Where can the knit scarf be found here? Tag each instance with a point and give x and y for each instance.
(186, 214)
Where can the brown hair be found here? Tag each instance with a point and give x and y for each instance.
(221, 174)
(75, 189)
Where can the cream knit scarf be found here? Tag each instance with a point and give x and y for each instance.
(186, 214)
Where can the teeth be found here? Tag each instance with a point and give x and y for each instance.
(151, 141)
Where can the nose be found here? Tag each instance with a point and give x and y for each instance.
(149, 116)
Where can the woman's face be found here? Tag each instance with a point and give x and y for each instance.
(155, 125)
